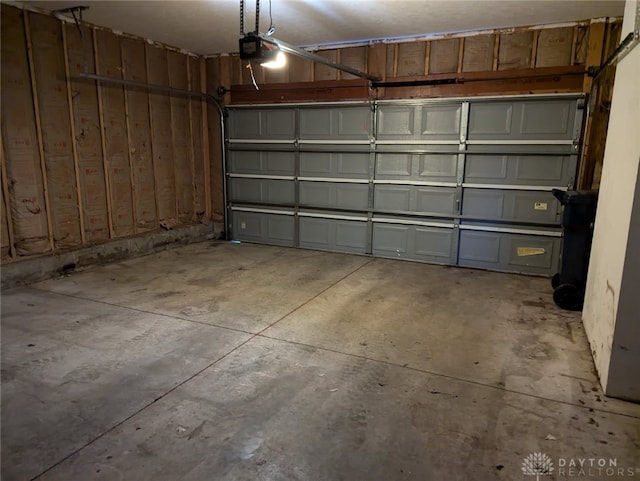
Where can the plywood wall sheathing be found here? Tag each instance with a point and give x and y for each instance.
(300, 69)
(554, 47)
(354, 57)
(182, 160)
(478, 53)
(161, 140)
(515, 50)
(195, 115)
(139, 129)
(411, 58)
(444, 56)
(23, 168)
(49, 67)
(115, 132)
(84, 99)
(324, 72)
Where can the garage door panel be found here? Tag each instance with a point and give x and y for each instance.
(275, 124)
(486, 168)
(265, 163)
(333, 234)
(334, 164)
(533, 170)
(455, 181)
(440, 122)
(351, 235)
(315, 232)
(317, 194)
(265, 191)
(424, 167)
(392, 197)
(548, 120)
(435, 200)
(390, 240)
(440, 167)
(414, 242)
(433, 242)
(488, 119)
(396, 122)
(542, 170)
(483, 203)
(278, 229)
(415, 198)
(281, 229)
(532, 251)
(536, 207)
(352, 196)
(334, 195)
(393, 166)
(540, 119)
(479, 247)
(335, 123)
(510, 251)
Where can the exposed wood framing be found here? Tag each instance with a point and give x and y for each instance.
(103, 139)
(395, 60)
(154, 167)
(328, 90)
(496, 52)
(36, 108)
(595, 47)
(534, 48)
(191, 152)
(5, 193)
(74, 147)
(520, 81)
(427, 58)
(595, 50)
(205, 141)
(127, 122)
(225, 75)
(460, 54)
(574, 43)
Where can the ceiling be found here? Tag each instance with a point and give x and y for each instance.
(212, 26)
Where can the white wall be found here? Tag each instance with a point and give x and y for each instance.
(611, 309)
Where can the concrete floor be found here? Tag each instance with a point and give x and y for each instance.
(217, 361)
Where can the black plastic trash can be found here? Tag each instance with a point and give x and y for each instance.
(577, 225)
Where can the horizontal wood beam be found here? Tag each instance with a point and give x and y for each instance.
(550, 79)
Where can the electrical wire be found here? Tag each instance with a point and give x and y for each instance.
(253, 79)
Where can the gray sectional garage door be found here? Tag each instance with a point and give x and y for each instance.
(451, 181)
